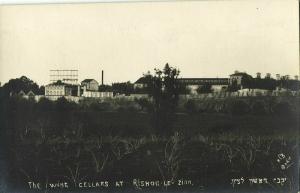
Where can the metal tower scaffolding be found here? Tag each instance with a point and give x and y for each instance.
(66, 76)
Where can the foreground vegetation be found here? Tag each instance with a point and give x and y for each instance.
(211, 142)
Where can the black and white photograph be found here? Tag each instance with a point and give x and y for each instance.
(150, 96)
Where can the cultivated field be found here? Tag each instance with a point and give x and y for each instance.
(211, 142)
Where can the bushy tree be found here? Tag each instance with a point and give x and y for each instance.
(123, 88)
(233, 87)
(41, 90)
(105, 88)
(23, 83)
(247, 81)
(64, 110)
(164, 88)
(183, 89)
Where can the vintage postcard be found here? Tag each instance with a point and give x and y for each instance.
(175, 96)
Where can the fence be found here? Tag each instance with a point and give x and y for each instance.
(242, 93)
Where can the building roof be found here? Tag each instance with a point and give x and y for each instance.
(88, 80)
(142, 80)
(201, 79)
(198, 81)
(58, 83)
(240, 74)
(30, 93)
(21, 92)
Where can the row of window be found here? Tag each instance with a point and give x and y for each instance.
(204, 81)
(54, 92)
(97, 94)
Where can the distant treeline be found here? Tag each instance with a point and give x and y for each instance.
(24, 84)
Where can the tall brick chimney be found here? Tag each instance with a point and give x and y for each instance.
(102, 77)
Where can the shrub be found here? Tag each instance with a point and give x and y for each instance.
(238, 107)
(45, 104)
(259, 107)
(103, 106)
(144, 103)
(286, 93)
(126, 109)
(282, 108)
(190, 106)
(62, 104)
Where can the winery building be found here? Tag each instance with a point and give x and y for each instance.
(217, 84)
(59, 89)
(90, 84)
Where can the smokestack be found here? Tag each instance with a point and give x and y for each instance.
(102, 77)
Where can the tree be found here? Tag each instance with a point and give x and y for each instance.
(247, 81)
(183, 89)
(144, 103)
(41, 90)
(164, 88)
(233, 87)
(105, 88)
(123, 87)
(45, 105)
(64, 110)
(286, 83)
(16, 85)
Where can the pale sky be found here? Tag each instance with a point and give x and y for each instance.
(201, 38)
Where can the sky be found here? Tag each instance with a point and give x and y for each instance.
(201, 38)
